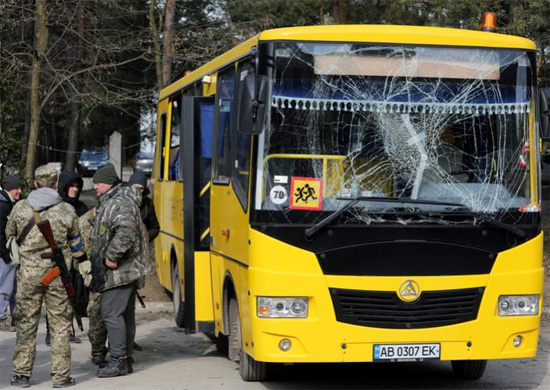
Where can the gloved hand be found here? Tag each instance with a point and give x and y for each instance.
(85, 270)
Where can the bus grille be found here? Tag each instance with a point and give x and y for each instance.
(384, 309)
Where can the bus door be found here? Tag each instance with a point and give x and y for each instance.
(197, 114)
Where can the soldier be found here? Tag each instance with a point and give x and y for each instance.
(119, 259)
(97, 332)
(69, 188)
(46, 202)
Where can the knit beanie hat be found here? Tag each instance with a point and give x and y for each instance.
(138, 178)
(106, 174)
(11, 182)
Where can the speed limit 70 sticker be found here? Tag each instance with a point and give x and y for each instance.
(278, 195)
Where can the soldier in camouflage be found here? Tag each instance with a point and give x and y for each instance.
(119, 258)
(45, 201)
(97, 332)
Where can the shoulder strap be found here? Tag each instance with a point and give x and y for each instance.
(26, 230)
(37, 218)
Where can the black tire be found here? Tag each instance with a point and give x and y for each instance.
(176, 298)
(252, 370)
(469, 369)
(235, 340)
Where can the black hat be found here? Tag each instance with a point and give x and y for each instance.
(11, 182)
(138, 178)
(106, 174)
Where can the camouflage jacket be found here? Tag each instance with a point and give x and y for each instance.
(120, 235)
(65, 228)
(87, 229)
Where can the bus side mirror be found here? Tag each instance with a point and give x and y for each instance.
(252, 104)
(544, 107)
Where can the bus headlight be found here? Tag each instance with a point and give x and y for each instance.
(282, 307)
(518, 305)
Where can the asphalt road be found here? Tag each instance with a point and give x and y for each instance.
(173, 360)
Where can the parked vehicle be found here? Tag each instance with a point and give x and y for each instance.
(90, 161)
(143, 162)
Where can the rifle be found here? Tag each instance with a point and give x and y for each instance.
(60, 268)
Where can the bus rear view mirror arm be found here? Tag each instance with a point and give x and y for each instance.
(251, 112)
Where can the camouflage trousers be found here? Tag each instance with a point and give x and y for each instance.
(29, 298)
(97, 334)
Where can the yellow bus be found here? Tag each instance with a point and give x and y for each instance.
(355, 194)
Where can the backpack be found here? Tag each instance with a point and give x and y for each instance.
(14, 243)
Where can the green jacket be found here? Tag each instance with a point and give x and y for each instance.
(120, 235)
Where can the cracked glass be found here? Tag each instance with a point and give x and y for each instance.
(444, 125)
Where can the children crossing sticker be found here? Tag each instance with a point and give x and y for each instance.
(306, 193)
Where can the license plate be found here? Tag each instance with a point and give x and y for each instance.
(406, 352)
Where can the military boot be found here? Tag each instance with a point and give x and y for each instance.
(116, 366)
(20, 381)
(6, 326)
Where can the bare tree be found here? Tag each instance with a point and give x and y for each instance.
(76, 104)
(170, 15)
(39, 53)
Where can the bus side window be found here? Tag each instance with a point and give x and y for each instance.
(161, 146)
(175, 146)
(224, 132)
(241, 173)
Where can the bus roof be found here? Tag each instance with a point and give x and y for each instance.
(398, 35)
(412, 35)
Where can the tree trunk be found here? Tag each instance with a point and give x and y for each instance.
(76, 104)
(338, 10)
(168, 41)
(156, 41)
(25, 143)
(41, 42)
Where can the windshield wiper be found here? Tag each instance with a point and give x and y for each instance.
(353, 201)
(493, 222)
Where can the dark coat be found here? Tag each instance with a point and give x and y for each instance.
(5, 210)
(149, 217)
(65, 179)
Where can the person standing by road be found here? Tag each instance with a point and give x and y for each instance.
(138, 180)
(119, 259)
(69, 188)
(10, 192)
(43, 203)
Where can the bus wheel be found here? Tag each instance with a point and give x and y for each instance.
(176, 297)
(252, 370)
(235, 343)
(469, 369)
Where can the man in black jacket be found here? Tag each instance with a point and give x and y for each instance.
(147, 209)
(10, 192)
(69, 188)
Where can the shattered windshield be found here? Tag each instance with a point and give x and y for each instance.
(448, 125)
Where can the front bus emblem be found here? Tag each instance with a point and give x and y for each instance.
(409, 291)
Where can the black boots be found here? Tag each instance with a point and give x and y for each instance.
(117, 366)
(20, 381)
